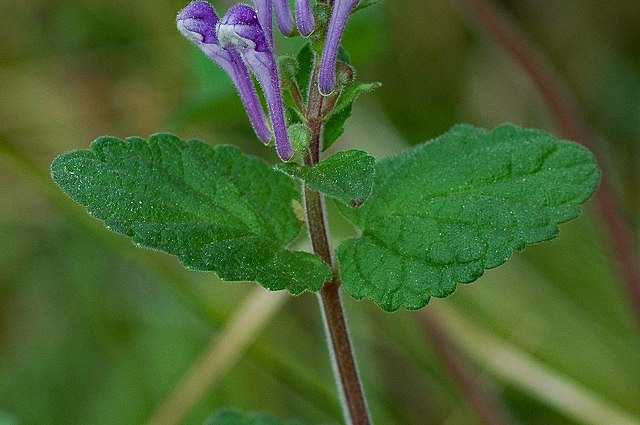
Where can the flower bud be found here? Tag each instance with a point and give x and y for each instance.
(304, 17)
(241, 28)
(198, 22)
(283, 16)
(240, 31)
(339, 15)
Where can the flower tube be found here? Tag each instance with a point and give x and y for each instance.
(197, 22)
(240, 31)
(304, 17)
(264, 11)
(283, 16)
(327, 76)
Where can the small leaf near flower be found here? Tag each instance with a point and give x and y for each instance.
(346, 176)
(334, 122)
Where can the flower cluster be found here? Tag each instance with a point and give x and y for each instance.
(242, 42)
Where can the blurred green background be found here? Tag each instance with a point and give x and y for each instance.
(96, 331)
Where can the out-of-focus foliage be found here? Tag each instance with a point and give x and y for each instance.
(234, 417)
(91, 331)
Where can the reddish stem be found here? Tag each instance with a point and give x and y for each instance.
(344, 364)
(484, 402)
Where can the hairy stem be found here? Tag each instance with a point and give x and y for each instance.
(573, 125)
(344, 364)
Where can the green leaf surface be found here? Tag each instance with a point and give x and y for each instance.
(346, 176)
(306, 61)
(366, 3)
(236, 417)
(343, 55)
(292, 113)
(334, 122)
(214, 208)
(334, 127)
(443, 212)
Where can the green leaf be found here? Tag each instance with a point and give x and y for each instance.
(443, 212)
(236, 417)
(366, 3)
(306, 61)
(288, 67)
(343, 55)
(346, 176)
(351, 93)
(334, 127)
(334, 122)
(292, 113)
(216, 209)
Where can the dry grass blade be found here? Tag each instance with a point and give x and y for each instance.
(521, 370)
(224, 351)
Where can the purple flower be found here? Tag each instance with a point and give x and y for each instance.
(339, 15)
(197, 22)
(283, 16)
(263, 9)
(304, 17)
(240, 31)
